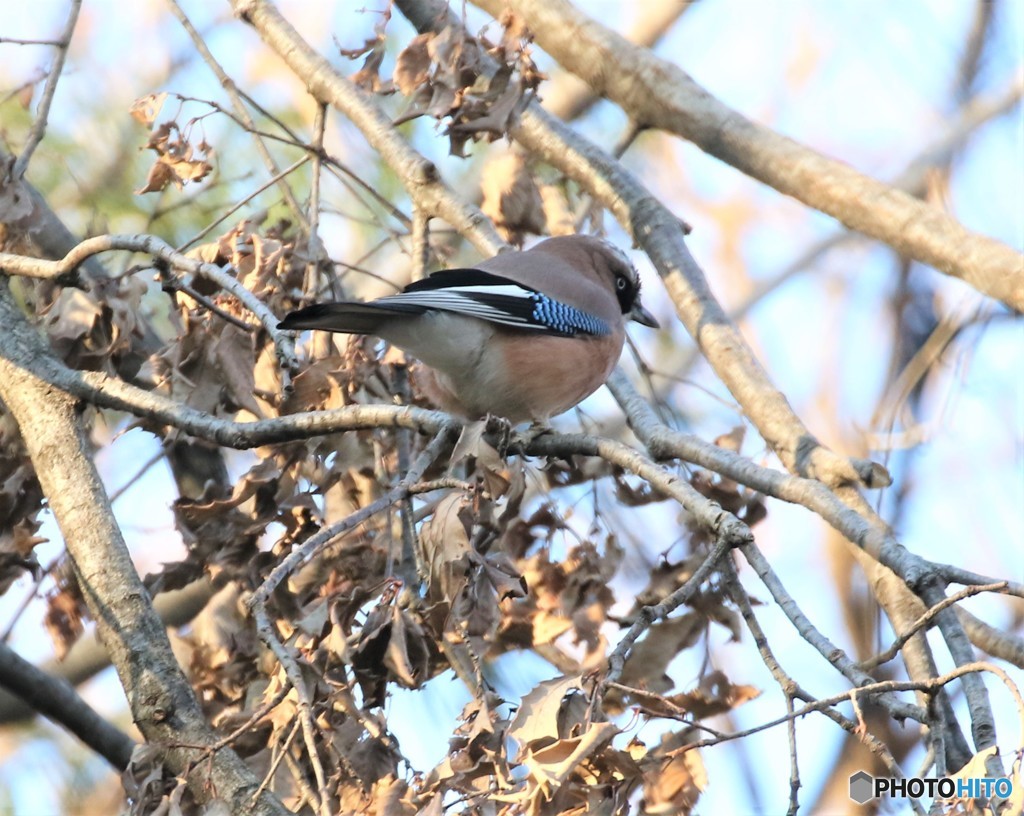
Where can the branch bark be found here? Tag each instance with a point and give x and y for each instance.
(658, 94)
(162, 703)
(57, 700)
(418, 174)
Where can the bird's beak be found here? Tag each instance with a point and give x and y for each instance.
(642, 316)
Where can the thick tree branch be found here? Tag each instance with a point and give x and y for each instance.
(659, 94)
(161, 700)
(88, 657)
(418, 175)
(569, 97)
(57, 700)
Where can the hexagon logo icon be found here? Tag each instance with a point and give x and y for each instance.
(861, 787)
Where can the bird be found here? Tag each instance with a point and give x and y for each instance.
(524, 336)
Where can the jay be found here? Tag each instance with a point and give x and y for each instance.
(522, 335)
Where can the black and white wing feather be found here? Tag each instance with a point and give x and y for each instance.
(497, 299)
(469, 292)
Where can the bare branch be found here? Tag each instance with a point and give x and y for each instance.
(659, 94)
(65, 271)
(162, 701)
(888, 654)
(35, 135)
(647, 615)
(57, 700)
(88, 657)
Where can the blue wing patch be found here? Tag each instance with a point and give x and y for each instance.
(475, 293)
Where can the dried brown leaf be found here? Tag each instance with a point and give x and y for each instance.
(715, 694)
(65, 610)
(552, 764)
(540, 720)
(673, 787)
(144, 110)
(412, 67)
(648, 662)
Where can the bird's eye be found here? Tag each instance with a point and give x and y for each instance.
(621, 284)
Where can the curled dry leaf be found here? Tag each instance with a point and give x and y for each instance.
(547, 714)
(372, 51)
(145, 109)
(476, 753)
(511, 198)
(469, 584)
(392, 645)
(648, 662)
(178, 161)
(551, 765)
(21, 500)
(65, 610)
(144, 781)
(715, 694)
(445, 75)
(412, 67)
(97, 329)
(673, 786)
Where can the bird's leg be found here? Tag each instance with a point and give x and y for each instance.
(536, 430)
(502, 428)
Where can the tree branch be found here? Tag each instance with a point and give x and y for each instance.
(65, 272)
(88, 657)
(57, 700)
(35, 135)
(659, 94)
(162, 701)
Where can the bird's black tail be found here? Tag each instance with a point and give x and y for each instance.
(345, 317)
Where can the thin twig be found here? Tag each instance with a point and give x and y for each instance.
(222, 217)
(35, 134)
(305, 705)
(231, 90)
(314, 247)
(315, 543)
(924, 620)
(647, 615)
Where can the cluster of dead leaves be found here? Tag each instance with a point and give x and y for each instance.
(477, 86)
(21, 501)
(491, 582)
(178, 160)
(566, 760)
